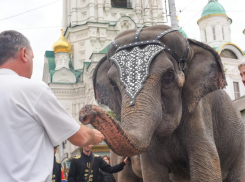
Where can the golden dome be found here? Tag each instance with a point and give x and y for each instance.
(62, 45)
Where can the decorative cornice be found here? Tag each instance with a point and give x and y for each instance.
(232, 70)
(210, 16)
(81, 35)
(229, 43)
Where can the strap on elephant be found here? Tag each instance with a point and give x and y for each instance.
(134, 65)
(181, 61)
(137, 34)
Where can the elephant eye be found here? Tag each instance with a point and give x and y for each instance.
(168, 77)
(114, 85)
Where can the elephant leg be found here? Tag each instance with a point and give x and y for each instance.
(152, 170)
(236, 172)
(204, 161)
(204, 164)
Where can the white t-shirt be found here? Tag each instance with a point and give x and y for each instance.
(32, 122)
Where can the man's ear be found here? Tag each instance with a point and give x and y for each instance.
(23, 55)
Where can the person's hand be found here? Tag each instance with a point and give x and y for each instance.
(127, 160)
(98, 137)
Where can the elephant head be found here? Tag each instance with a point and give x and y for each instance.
(166, 94)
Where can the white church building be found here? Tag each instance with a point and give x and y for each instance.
(89, 28)
(215, 31)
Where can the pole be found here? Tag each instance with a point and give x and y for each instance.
(64, 23)
(173, 16)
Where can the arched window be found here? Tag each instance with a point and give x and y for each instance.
(119, 3)
(226, 53)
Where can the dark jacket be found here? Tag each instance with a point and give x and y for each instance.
(56, 177)
(80, 165)
(106, 177)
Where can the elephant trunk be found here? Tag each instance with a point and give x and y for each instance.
(115, 136)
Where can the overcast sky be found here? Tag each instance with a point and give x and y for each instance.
(40, 21)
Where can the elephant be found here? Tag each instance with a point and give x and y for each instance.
(167, 92)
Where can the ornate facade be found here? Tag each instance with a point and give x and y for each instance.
(215, 31)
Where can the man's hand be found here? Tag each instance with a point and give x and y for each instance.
(86, 136)
(127, 160)
(97, 137)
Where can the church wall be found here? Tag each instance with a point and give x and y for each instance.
(79, 12)
(230, 85)
(203, 35)
(218, 34)
(227, 33)
(62, 60)
(209, 34)
(71, 96)
(218, 22)
(78, 57)
(46, 75)
(100, 14)
(232, 75)
(73, 12)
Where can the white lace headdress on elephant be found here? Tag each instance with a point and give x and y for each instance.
(134, 65)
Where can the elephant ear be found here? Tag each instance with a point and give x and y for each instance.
(103, 91)
(204, 74)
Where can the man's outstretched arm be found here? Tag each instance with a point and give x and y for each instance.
(86, 136)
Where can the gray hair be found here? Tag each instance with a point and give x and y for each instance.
(241, 64)
(10, 43)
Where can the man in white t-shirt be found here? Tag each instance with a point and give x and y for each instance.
(32, 120)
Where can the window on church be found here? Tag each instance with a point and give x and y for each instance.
(205, 36)
(214, 33)
(121, 3)
(223, 33)
(226, 53)
(236, 90)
